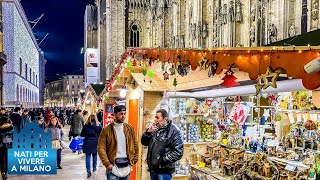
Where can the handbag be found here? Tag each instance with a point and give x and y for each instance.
(56, 144)
(7, 139)
(63, 145)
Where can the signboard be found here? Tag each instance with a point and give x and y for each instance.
(108, 114)
(92, 55)
(32, 152)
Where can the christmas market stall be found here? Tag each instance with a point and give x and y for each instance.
(244, 113)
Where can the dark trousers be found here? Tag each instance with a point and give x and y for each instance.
(4, 160)
(59, 156)
(155, 176)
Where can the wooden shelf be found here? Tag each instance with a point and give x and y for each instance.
(198, 143)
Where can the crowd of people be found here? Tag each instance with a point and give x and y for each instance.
(116, 144)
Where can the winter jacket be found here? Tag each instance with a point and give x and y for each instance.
(165, 147)
(77, 124)
(91, 133)
(16, 120)
(107, 145)
(25, 119)
(56, 133)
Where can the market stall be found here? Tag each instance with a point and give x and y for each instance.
(236, 108)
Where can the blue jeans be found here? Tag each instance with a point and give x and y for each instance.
(155, 176)
(111, 176)
(94, 163)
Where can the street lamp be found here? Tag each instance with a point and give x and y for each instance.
(123, 91)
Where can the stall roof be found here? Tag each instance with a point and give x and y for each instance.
(311, 38)
(98, 88)
(149, 84)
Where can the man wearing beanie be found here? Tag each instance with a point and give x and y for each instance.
(118, 146)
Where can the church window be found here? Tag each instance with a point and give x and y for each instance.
(134, 36)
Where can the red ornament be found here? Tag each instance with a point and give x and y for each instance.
(134, 63)
(229, 79)
(209, 101)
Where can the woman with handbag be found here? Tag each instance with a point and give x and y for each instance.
(91, 131)
(6, 128)
(57, 137)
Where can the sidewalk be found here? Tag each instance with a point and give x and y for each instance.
(73, 165)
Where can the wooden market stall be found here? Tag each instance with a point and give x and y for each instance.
(147, 73)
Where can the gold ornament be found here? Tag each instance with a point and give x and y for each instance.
(203, 63)
(264, 82)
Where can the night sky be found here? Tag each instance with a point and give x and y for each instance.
(64, 21)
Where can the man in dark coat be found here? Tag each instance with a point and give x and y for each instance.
(16, 118)
(165, 146)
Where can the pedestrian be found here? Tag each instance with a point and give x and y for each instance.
(76, 125)
(165, 146)
(118, 147)
(2, 111)
(25, 118)
(91, 131)
(56, 136)
(41, 123)
(100, 115)
(6, 127)
(16, 118)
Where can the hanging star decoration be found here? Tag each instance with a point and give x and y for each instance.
(265, 79)
(202, 63)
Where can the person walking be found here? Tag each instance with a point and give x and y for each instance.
(165, 146)
(118, 147)
(41, 123)
(26, 118)
(6, 133)
(77, 124)
(56, 136)
(91, 131)
(16, 118)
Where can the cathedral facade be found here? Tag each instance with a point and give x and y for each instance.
(198, 24)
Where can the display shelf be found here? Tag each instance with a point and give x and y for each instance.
(300, 165)
(197, 143)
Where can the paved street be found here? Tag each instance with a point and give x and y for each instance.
(73, 165)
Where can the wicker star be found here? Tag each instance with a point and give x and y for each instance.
(264, 79)
(203, 63)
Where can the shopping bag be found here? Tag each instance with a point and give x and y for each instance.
(63, 145)
(76, 144)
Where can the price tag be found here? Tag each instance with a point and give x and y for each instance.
(290, 167)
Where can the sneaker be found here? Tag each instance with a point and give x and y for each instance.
(88, 174)
(94, 170)
(59, 166)
(4, 176)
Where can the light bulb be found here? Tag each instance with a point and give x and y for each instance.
(123, 93)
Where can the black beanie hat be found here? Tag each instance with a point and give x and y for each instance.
(119, 108)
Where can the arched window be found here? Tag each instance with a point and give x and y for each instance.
(18, 99)
(134, 36)
(20, 67)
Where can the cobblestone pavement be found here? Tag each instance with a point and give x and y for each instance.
(73, 165)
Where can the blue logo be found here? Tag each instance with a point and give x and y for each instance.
(32, 152)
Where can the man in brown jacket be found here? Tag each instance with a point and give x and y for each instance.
(118, 146)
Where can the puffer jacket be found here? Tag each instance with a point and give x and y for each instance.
(165, 147)
(77, 124)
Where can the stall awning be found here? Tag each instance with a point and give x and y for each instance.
(98, 88)
(311, 38)
(283, 86)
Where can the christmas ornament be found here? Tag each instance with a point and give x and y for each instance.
(229, 79)
(193, 133)
(202, 63)
(172, 71)
(144, 71)
(118, 77)
(129, 63)
(209, 101)
(175, 83)
(165, 76)
(264, 79)
(151, 73)
(213, 66)
(134, 63)
(106, 98)
(310, 125)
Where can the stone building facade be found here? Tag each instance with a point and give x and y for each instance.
(199, 24)
(63, 92)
